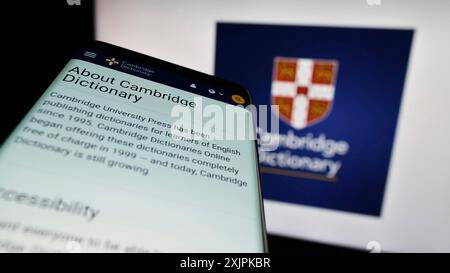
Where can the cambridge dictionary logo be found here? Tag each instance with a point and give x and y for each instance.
(303, 89)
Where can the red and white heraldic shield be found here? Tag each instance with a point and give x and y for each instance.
(303, 89)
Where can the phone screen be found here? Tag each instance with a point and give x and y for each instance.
(125, 153)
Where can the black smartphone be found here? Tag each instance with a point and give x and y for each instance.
(128, 153)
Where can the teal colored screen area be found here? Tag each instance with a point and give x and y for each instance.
(93, 167)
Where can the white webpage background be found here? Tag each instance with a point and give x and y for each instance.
(416, 209)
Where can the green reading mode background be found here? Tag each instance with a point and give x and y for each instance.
(95, 171)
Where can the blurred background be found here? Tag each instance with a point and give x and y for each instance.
(416, 201)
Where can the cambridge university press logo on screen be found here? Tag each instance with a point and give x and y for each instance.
(303, 89)
(73, 2)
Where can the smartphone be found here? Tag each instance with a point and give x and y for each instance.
(128, 153)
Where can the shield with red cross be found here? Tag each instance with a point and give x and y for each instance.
(303, 89)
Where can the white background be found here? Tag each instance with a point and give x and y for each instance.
(416, 211)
